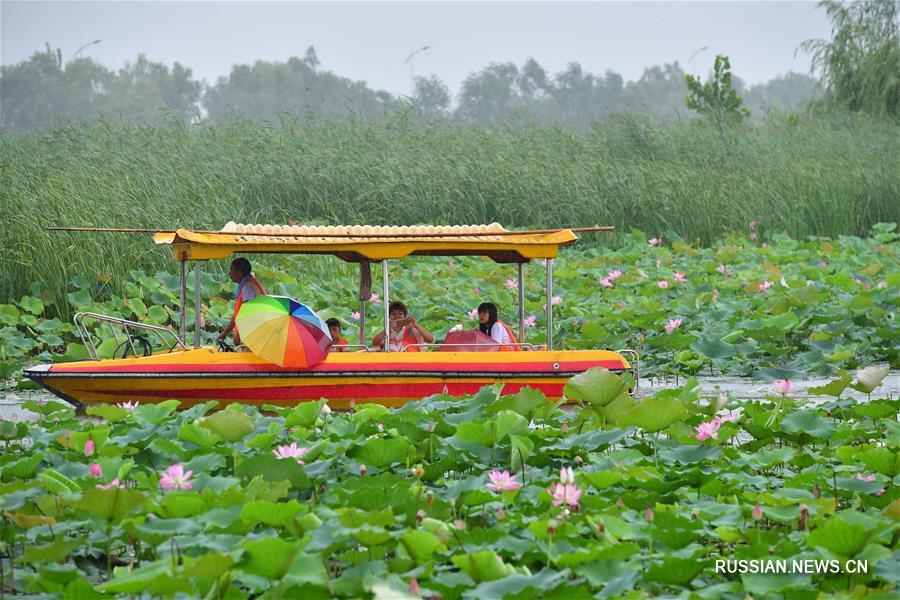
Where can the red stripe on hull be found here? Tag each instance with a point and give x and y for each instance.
(343, 391)
(473, 368)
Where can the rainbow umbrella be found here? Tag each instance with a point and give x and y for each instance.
(283, 331)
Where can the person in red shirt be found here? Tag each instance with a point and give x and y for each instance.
(248, 288)
(334, 328)
(405, 331)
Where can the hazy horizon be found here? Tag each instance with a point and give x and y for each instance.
(369, 41)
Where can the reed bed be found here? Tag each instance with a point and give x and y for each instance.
(805, 176)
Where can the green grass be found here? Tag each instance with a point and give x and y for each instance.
(808, 177)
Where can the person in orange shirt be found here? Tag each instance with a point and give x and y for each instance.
(334, 328)
(405, 331)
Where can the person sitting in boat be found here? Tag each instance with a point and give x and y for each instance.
(405, 331)
(334, 328)
(248, 288)
(499, 331)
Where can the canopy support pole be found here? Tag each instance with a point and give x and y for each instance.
(362, 322)
(198, 269)
(385, 301)
(521, 302)
(549, 304)
(182, 298)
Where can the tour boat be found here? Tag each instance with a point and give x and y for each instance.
(193, 373)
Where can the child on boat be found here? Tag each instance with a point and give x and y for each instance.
(490, 325)
(248, 288)
(405, 331)
(334, 328)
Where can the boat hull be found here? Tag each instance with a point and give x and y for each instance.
(392, 379)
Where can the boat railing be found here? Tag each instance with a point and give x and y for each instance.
(636, 365)
(167, 337)
(346, 347)
(524, 345)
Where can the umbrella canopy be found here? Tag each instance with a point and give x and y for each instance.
(473, 336)
(283, 331)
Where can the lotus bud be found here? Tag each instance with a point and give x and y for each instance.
(693, 516)
(89, 448)
(418, 470)
(362, 470)
(649, 514)
(501, 514)
(565, 428)
(413, 588)
(430, 500)
(816, 491)
(804, 518)
(420, 516)
(757, 512)
(551, 526)
(459, 524)
(619, 504)
(601, 527)
(96, 471)
(579, 461)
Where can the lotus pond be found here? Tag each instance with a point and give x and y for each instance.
(491, 495)
(482, 497)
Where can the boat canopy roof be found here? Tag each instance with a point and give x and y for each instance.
(357, 243)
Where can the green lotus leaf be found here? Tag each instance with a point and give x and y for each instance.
(883, 460)
(269, 557)
(273, 514)
(421, 545)
(654, 414)
(52, 552)
(484, 565)
(675, 571)
(597, 386)
(273, 470)
(808, 422)
(304, 414)
(111, 505)
(380, 452)
(230, 425)
(841, 537)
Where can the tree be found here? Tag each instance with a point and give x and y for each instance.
(716, 99)
(491, 95)
(860, 66)
(431, 97)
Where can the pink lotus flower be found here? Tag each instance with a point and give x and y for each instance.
(567, 494)
(476, 291)
(380, 426)
(752, 224)
(752, 236)
(501, 514)
(96, 471)
(862, 477)
(728, 417)
(375, 299)
(673, 324)
(649, 514)
(663, 285)
(355, 315)
(414, 588)
(529, 321)
(473, 314)
(502, 481)
(654, 241)
(112, 484)
(679, 277)
(511, 284)
(326, 410)
(89, 448)
(555, 300)
(879, 492)
(715, 293)
(613, 275)
(708, 430)
(566, 475)
(757, 512)
(293, 451)
(723, 270)
(543, 262)
(783, 387)
(202, 322)
(823, 265)
(765, 245)
(607, 282)
(764, 286)
(175, 478)
(128, 405)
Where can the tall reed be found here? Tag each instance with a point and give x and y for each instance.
(809, 177)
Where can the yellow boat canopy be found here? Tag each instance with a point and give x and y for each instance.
(357, 243)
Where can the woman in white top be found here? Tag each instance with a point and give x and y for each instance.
(489, 324)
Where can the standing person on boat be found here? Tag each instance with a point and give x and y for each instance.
(334, 328)
(489, 324)
(405, 331)
(248, 288)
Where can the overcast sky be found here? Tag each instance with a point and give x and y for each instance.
(369, 41)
